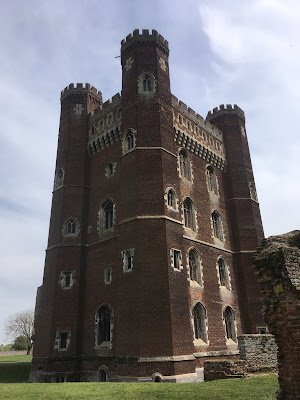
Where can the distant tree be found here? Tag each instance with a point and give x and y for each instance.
(21, 324)
(5, 347)
(20, 343)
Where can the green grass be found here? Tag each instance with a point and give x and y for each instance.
(256, 388)
(23, 358)
(14, 372)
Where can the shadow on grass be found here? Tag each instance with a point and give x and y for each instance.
(11, 372)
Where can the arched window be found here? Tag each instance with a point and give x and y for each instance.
(129, 141)
(108, 215)
(147, 84)
(185, 167)
(104, 320)
(252, 191)
(212, 180)
(171, 197)
(217, 226)
(102, 375)
(71, 227)
(223, 273)
(189, 214)
(195, 266)
(229, 319)
(199, 317)
(59, 178)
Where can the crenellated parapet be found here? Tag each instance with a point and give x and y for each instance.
(197, 119)
(73, 89)
(199, 136)
(110, 107)
(225, 110)
(105, 125)
(145, 37)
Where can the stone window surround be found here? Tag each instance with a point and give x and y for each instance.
(229, 340)
(106, 370)
(59, 179)
(176, 199)
(141, 84)
(62, 279)
(189, 166)
(191, 281)
(101, 218)
(124, 141)
(220, 228)
(64, 231)
(210, 169)
(57, 343)
(172, 257)
(199, 342)
(228, 277)
(194, 217)
(105, 344)
(107, 170)
(125, 254)
(108, 275)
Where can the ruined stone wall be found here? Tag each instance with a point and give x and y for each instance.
(277, 265)
(224, 369)
(259, 352)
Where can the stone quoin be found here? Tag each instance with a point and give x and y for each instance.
(154, 221)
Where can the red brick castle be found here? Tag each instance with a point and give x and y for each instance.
(154, 220)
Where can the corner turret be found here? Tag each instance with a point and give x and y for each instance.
(145, 36)
(225, 110)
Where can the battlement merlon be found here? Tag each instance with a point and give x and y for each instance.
(196, 118)
(79, 87)
(106, 107)
(225, 110)
(145, 36)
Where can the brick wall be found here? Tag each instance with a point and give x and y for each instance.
(259, 352)
(277, 265)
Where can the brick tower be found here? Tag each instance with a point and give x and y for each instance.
(154, 219)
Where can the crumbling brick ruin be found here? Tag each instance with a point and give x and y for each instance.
(277, 265)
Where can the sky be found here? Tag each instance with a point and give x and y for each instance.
(232, 52)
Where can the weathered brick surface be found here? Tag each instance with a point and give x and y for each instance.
(153, 303)
(259, 352)
(277, 265)
(224, 369)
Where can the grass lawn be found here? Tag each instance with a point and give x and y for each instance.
(256, 388)
(23, 358)
(14, 372)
